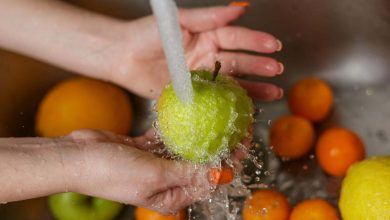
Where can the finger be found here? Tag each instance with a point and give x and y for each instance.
(185, 183)
(241, 153)
(205, 19)
(180, 173)
(147, 142)
(262, 91)
(241, 38)
(149, 136)
(170, 201)
(242, 150)
(249, 64)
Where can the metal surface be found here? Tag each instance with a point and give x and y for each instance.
(345, 42)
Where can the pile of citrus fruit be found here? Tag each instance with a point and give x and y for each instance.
(293, 137)
(270, 204)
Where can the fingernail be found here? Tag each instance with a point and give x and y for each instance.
(242, 4)
(279, 45)
(281, 68)
(280, 93)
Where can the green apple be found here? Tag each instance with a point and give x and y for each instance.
(365, 192)
(213, 124)
(74, 206)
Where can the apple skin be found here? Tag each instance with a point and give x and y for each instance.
(74, 206)
(209, 127)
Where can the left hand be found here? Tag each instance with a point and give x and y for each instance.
(138, 61)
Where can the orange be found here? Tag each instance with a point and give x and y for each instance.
(311, 98)
(337, 149)
(83, 103)
(221, 176)
(292, 136)
(266, 205)
(147, 214)
(315, 209)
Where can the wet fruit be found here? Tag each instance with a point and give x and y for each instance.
(147, 214)
(317, 209)
(221, 175)
(311, 98)
(266, 205)
(209, 127)
(73, 206)
(337, 149)
(292, 136)
(365, 192)
(79, 103)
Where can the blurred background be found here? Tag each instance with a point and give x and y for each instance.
(347, 43)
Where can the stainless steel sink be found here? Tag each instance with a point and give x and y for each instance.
(345, 42)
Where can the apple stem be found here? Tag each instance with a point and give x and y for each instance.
(216, 70)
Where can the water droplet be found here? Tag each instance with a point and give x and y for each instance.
(369, 92)
(267, 173)
(258, 164)
(155, 125)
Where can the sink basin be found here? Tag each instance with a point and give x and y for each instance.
(347, 43)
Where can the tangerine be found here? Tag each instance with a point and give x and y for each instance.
(148, 214)
(292, 136)
(337, 149)
(266, 205)
(311, 98)
(317, 209)
(220, 176)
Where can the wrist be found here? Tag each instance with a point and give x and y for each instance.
(87, 166)
(48, 162)
(72, 160)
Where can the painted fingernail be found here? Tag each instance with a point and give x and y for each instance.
(281, 68)
(242, 4)
(279, 45)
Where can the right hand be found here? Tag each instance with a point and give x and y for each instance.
(119, 168)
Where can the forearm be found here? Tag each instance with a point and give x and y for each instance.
(35, 167)
(60, 34)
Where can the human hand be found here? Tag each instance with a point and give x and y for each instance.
(139, 63)
(120, 169)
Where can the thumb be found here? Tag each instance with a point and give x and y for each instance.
(205, 19)
(186, 184)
